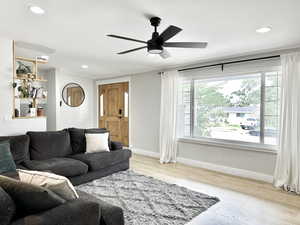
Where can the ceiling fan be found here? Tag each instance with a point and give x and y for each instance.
(158, 42)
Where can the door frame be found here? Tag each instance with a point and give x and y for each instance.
(113, 81)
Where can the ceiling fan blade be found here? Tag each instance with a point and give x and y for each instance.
(132, 50)
(165, 54)
(126, 38)
(186, 44)
(170, 32)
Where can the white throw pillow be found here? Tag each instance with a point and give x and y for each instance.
(97, 142)
(56, 183)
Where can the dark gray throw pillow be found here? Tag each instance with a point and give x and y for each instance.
(7, 163)
(19, 147)
(7, 208)
(29, 199)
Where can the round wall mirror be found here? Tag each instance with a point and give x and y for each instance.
(73, 95)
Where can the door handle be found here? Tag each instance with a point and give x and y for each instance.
(120, 114)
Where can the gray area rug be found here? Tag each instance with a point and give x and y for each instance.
(148, 201)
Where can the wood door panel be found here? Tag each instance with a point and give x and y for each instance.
(112, 114)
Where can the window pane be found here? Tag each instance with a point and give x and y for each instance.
(228, 108)
(272, 111)
(126, 106)
(101, 105)
(186, 98)
(271, 130)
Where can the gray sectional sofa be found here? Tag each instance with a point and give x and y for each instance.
(63, 153)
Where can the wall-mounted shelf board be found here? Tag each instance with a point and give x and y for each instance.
(29, 117)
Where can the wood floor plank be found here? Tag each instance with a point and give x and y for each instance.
(243, 201)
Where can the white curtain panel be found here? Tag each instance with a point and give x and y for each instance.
(168, 115)
(287, 172)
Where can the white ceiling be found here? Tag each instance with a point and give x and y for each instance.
(77, 30)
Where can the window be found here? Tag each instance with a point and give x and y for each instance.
(241, 108)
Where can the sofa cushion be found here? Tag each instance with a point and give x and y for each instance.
(99, 131)
(7, 208)
(7, 163)
(99, 160)
(78, 140)
(110, 214)
(29, 199)
(19, 147)
(50, 144)
(62, 166)
(97, 142)
(56, 183)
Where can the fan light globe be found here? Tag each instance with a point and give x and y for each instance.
(155, 51)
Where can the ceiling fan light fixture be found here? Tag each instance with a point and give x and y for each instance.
(154, 47)
(155, 51)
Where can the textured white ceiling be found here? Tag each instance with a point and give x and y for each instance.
(77, 30)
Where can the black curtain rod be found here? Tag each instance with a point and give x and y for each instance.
(232, 62)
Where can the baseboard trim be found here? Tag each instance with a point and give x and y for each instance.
(145, 152)
(210, 166)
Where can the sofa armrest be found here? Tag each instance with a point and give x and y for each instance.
(77, 212)
(115, 145)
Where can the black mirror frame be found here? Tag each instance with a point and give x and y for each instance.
(62, 94)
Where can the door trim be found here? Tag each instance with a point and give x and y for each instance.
(112, 81)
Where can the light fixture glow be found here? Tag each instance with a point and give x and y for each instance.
(36, 10)
(155, 51)
(84, 66)
(263, 30)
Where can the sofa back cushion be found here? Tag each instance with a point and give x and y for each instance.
(7, 208)
(49, 144)
(19, 147)
(78, 140)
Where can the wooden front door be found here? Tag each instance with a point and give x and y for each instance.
(114, 110)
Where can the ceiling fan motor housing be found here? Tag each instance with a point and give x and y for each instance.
(154, 46)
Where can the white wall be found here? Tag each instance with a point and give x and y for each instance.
(8, 126)
(65, 116)
(52, 96)
(145, 109)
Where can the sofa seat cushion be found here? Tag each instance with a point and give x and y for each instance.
(99, 160)
(61, 166)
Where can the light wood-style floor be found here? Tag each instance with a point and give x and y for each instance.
(243, 201)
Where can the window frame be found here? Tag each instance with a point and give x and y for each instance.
(233, 144)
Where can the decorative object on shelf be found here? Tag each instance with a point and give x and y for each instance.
(40, 111)
(30, 95)
(24, 89)
(17, 113)
(73, 95)
(32, 110)
(23, 69)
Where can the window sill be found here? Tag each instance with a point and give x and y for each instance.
(230, 144)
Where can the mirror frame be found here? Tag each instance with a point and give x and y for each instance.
(62, 94)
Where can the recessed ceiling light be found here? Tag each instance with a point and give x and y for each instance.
(84, 66)
(36, 10)
(263, 30)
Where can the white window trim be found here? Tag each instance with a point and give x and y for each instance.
(230, 144)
